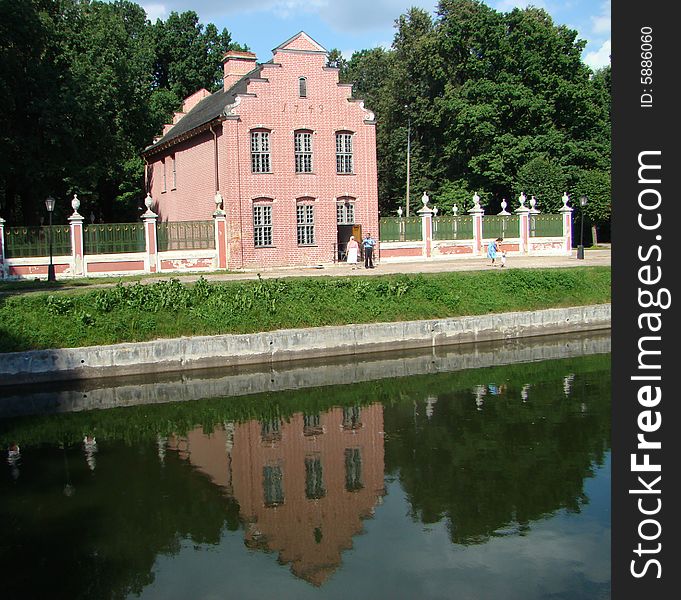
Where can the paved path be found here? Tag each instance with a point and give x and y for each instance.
(596, 257)
(600, 257)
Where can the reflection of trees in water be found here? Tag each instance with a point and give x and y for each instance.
(498, 460)
(103, 541)
(523, 455)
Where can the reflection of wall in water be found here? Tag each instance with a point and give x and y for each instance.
(303, 486)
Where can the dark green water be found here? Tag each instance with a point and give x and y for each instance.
(480, 484)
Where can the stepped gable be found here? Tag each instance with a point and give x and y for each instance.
(301, 42)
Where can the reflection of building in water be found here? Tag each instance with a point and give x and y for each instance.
(90, 449)
(14, 459)
(525, 392)
(303, 485)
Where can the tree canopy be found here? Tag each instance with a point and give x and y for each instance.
(494, 103)
(498, 103)
(85, 85)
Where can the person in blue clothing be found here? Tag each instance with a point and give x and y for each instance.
(492, 251)
(368, 244)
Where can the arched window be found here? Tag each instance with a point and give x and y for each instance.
(302, 87)
(262, 222)
(260, 151)
(345, 210)
(303, 150)
(305, 221)
(344, 152)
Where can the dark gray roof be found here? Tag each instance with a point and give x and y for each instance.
(207, 110)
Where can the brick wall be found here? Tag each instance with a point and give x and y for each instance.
(273, 103)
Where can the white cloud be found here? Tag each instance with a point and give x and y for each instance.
(509, 5)
(349, 15)
(155, 11)
(600, 24)
(599, 58)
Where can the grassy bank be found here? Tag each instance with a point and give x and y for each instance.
(139, 312)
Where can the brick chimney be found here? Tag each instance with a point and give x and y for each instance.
(236, 65)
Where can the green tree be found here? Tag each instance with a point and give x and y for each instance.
(596, 186)
(545, 180)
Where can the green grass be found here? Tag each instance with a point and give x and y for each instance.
(139, 311)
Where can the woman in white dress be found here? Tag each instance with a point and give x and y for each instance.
(352, 252)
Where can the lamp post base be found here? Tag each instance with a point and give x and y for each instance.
(50, 273)
(580, 252)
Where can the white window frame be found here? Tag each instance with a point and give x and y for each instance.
(302, 87)
(302, 143)
(260, 152)
(305, 229)
(165, 180)
(174, 167)
(262, 225)
(344, 155)
(345, 211)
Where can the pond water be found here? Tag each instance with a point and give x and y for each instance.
(487, 483)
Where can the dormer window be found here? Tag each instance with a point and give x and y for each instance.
(302, 87)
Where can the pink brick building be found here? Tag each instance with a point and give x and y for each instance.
(285, 147)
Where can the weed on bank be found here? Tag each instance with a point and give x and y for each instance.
(170, 308)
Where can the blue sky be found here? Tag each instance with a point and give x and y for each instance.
(351, 25)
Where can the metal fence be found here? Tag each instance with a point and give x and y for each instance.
(453, 228)
(496, 226)
(401, 229)
(546, 225)
(186, 235)
(23, 242)
(114, 238)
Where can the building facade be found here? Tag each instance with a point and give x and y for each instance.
(283, 149)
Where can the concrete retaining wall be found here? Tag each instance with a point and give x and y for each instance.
(290, 344)
(276, 377)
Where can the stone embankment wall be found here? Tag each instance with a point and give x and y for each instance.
(294, 375)
(290, 344)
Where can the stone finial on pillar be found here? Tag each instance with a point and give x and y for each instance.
(149, 202)
(218, 204)
(533, 206)
(75, 204)
(504, 204)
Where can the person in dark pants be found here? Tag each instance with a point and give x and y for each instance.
(369, 244)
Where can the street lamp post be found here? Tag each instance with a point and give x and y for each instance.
(580, 249)
(408, 157)
(49, 205)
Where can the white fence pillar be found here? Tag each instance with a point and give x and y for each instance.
(477, 211)
(77, 246)
(524, 224)
(566, 211)
(150, 218)
(426, 215)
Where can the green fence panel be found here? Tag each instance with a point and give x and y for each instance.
(396, 229)
(186, 235)
(24, 242)
(453, 228)
(546, 225)
(114, 238)
(495, 226)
